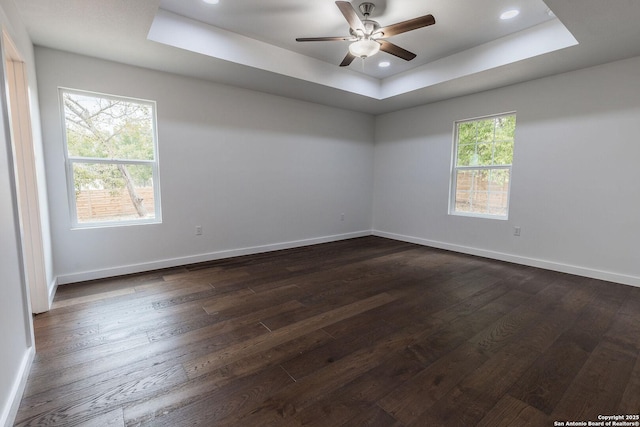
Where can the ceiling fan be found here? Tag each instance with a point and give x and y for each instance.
(368, 36)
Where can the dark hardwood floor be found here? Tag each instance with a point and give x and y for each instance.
(363, 332)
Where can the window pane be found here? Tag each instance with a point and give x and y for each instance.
(503, 153)
(466, 154)
(498, 179)
(505, 128)
(101, 127)
(466, 190)
(498, 192)
(485, 130)
(482, 191)
(467, 133)
(485, 155)
(113, 192)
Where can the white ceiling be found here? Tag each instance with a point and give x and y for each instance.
(251, 43)
(280, 22)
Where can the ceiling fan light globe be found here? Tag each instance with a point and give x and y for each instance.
(364, 48)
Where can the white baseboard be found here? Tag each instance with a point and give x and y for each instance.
(532, 262)
(10, 408)
(211, 256)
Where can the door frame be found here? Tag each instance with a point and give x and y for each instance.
(19, 110)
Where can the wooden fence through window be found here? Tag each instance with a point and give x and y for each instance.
(101, 205)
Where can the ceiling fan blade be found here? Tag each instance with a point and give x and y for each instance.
(347, 60)
(325, 39)
(411, 24)
(395, 50)
(350, 15)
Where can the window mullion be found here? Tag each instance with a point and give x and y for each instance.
(483, 167)
(110, 161)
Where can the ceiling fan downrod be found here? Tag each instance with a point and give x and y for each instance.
(367, 8)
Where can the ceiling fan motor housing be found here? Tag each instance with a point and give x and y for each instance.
(370, 28)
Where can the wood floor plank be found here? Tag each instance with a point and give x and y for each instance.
(501, 371)
(504, 330)
(86, 405)
(91, 298)
(458, 408)
(367, 331)
(114, 310)
(408, 401)
(208, 326)
(624, 331)
(192, 390)
(304, 393)
(217, 359)
(113, 418)
(216, 274)
(630, 401)
(358, 397)
(473, 302)
(374, 417)
(308, 363)
(43, 367)
(599, 386)
(510, 412)
(543, 385)
(473, 397)
(443, 338)
(75, 290)
(130, 362)
(231, 400)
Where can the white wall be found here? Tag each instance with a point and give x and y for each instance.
(16, 336)
(575, 187)
(257, 171)
(260, 172)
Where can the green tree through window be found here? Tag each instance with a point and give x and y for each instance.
(482, 167)
(111, 158)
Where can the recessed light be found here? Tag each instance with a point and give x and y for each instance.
(211, 1)
(384, 64)
(510, 14)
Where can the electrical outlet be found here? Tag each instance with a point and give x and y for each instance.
(516, 231)
(341, 217)
(198, 230)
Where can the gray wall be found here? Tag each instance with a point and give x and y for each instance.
(575, 189)
(260, 172)
(257, 171)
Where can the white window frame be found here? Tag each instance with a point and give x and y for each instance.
(453, 186)
(71, 160)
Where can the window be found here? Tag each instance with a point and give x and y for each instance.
(483, 153)
(111, 158)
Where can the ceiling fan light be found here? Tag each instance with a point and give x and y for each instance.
(364, 48)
